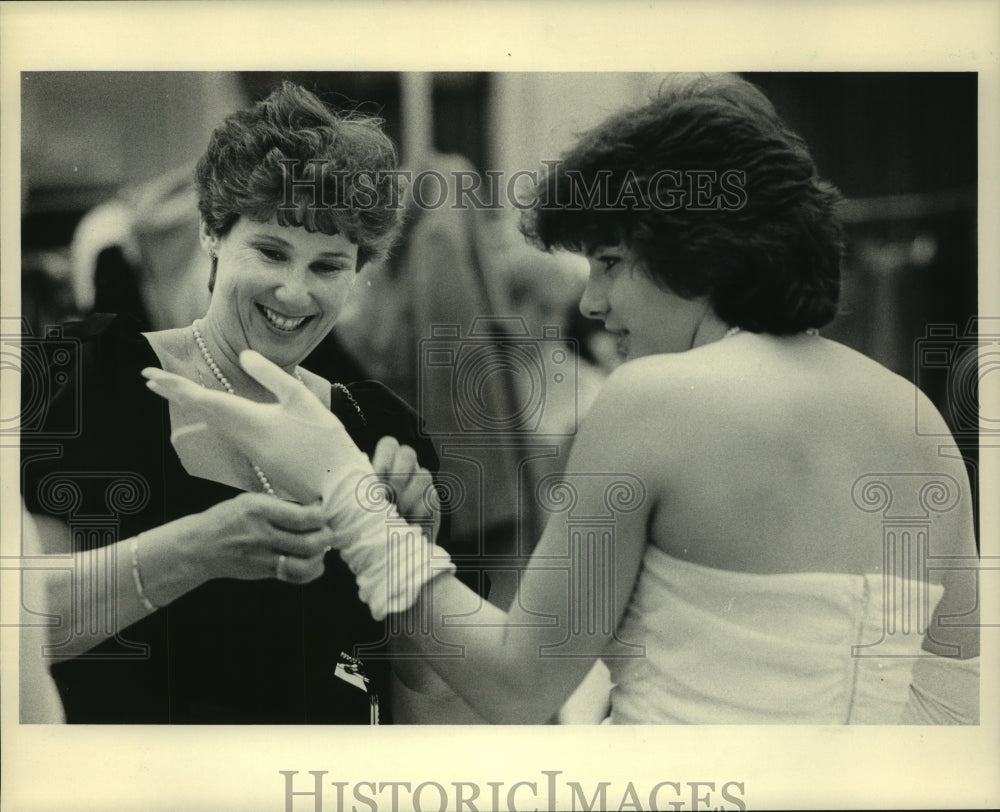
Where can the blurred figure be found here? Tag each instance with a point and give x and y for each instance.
(544, 290)
(138, 254)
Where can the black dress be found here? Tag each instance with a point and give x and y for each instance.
(231, 651)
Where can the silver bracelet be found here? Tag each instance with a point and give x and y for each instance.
(137, 576)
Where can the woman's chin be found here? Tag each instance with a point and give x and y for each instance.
(284, 348)
(281, 353)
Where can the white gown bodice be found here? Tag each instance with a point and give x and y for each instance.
(725, 647)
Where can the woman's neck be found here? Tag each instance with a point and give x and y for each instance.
(217, 348)
(709, 329)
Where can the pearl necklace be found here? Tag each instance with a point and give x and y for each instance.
(221, 378)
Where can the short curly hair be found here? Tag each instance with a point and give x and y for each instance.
(293, 158)
(766, 253)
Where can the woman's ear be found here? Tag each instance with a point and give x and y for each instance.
(210, 244)
(209, 241)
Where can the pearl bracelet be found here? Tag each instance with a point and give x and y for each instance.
(137, 576)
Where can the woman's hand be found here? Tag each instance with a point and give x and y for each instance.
(412, 486)
(297, 441)
(307, 450)
(254, 536)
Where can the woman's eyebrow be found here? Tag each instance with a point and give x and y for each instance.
(285, 244)
(263, 235)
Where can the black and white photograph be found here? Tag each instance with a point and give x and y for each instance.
(364, 392)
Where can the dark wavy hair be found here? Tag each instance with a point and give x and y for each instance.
(337, 168)
(767, 257)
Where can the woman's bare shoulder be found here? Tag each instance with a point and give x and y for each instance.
(766, 388)
(680, 383)
(645, 407)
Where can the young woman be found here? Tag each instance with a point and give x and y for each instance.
(719, 536)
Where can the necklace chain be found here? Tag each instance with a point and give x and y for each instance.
(811, 331)
(350, 397)
(222, 379)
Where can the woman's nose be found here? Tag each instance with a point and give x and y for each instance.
(593, 303)
(294, 288)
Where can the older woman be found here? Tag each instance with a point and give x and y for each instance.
(222, 604)
(720, 535)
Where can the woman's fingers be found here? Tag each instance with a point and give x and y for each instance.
(283, 527)
(385, 453)
(299, 545)
(420, 495)
(179, 390)
(284, 387)
(303, 545)
(294, 557)
(188, 433)
(284, 515)
(412, 485)
(233, 417)
(299, 570)
(394, 463)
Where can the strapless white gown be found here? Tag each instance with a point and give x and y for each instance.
(724, 647)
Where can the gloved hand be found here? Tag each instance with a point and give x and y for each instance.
(304, 447)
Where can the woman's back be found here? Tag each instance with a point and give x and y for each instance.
(757, 451)
(785, 576)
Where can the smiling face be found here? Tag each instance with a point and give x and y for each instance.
(645, 318)
(278, 289)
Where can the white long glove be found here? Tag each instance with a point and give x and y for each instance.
(308, 452)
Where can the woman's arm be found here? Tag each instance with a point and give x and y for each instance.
(98, 597)
(112, 587)
(39, 697)
(520, 666)
(420, 696)
(944, 689)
